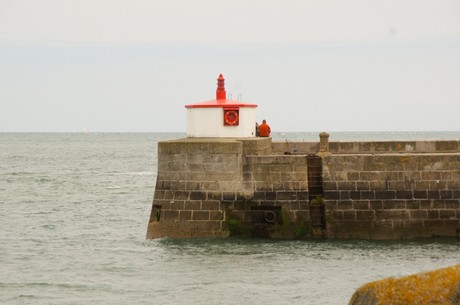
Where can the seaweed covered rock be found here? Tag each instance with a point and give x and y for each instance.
(441, 286)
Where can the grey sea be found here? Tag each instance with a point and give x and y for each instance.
(73, 216)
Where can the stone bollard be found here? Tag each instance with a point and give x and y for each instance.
(324, 142)
(441, 286)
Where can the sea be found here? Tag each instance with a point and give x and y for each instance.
(74, 209)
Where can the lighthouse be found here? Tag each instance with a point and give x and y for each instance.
(221, 117)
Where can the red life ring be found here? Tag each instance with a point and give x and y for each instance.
(231, 117)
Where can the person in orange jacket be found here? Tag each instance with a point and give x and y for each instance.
(264, 129)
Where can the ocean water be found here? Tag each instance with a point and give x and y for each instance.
(73, 216)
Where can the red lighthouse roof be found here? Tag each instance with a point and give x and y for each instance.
(221, 99)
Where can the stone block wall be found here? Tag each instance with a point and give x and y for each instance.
(253, 187)
(277, 201)
(194, 177)
(392, 196)
(217, 187)
(209, 187)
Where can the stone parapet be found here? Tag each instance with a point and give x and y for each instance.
(295, 148)
(380, 147)
(369, 147)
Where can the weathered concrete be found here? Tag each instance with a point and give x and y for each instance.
(436, 287)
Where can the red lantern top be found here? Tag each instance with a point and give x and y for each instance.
(220, 92)
(221, 98)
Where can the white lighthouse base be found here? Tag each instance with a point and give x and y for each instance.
(209, 122)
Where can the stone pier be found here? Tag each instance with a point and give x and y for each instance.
(216, 187)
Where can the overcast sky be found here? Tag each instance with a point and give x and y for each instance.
(329, 65)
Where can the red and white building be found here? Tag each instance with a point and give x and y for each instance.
(221, 117)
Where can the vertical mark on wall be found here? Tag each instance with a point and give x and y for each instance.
(316, 196)
(155, 214)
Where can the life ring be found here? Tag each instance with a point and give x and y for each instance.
(231, 117)
(270, 216)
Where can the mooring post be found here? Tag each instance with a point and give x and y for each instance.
(324, 142)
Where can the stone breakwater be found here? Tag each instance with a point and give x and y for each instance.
(436, 287)
(209, 187)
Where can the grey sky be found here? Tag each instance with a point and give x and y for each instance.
(112, 65)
